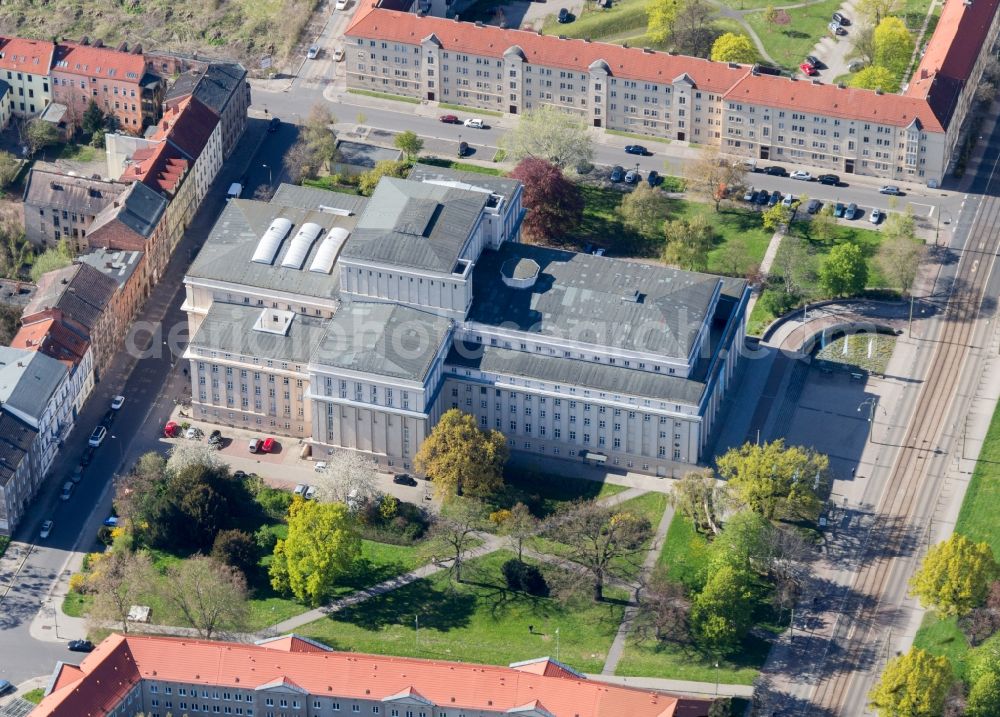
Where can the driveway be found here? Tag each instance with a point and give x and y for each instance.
(833, 51)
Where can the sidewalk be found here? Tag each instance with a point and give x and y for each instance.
(686, 687)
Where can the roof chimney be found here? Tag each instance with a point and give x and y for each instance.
(817, 82)
(586, 39)
(562, 37)
(85, 40)
(479, 23)
(841, 85)
(122, 47)
(137, 50)
(924, 74)
(539, 31)
(457, 18)
(648, 50)
(878, 90)
(98, 42)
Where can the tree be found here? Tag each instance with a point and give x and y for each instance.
(712, 174)
(93, 118)
(349, 477)
(120, 580)
(900, 252)
(386, 168)
(209, 594)
(845, 271)
(693, 31)
(745, 544)
(771, 15)
(321, 546)
(601, 539)
(984, 696)
(456, 528)
(722, 613)
(823, 225)
(40, 134)
(795, 265)
(688, 243)
(9, 168)
(664, 612)
(863, 44)
(237, 549)
(50, 260)
(185, 454)
(773, 480)
(558, 137)
(915, 684)
(893, 45)
(461, 459)
(875, 77)
(733, 47)
(875, 10)
(318, 137)
(644, 209)
(519, 525)
(697, 497)
(775, 217)
(735, 258)
(955, 575)
(409, 142)
(661, 15)
(554, 204)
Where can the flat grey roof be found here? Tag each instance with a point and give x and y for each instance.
(496, 184)
(118, 265)
(593, 299)
(229, 328)
(292, 195)
(359, 154)
(383, 339)
(416, 225)
(229, 247)
(28, 379)
(573, 372)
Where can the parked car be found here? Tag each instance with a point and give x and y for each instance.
(851, 212)
(876, 216)
(320, 466)
(310, 493)
(254, 445)
(565, 15)
(45, 531)
(111, 521)
(788, 200)
(855, 66)
(97, 437)
(748, 194)
(891, 189)
(300, 489)
(637, 149)
(830, 179)
(215, 438)
(67, 490)
(836, 29)
(240, 475)
(87, 457)
(840, 18)
(814, 206)
(109, 417)
(463, 149)
(653, 178)
(774, 199)
(171, 429)
(77, 475)
(450, 119)
(801, 174)
(814, 61)
(754, 196)
(274, 125)
(193, 433)
(475, 123)
(404, 479)
(338, 54)
(80, 646)
(5, 685)
(313, 52)
(617, 174)
(268, 445)
(763, 197)
(117, 402)
(838, 210)
(341, 5)
(776, 171)
(807, 69)
(632, 177)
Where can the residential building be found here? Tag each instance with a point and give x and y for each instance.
(83, 299)
(61, 206)
(25, 65)
(60, 340)
(371, 319)
(134, 222)
(35, 416)
(290, 675)
(909, 136)
(115, 80)
(165, 170)
(127, 269)
(6, 104)
(197, 133)
(223, 87)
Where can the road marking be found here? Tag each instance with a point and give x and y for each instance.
(931, 207)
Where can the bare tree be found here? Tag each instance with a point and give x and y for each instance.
(120, 580)
(455, 530)
(713, 175)
(547, 133)
(349, 477)
(209, 594)
(193, 453)
(601, 539)
(698, 496)
(664, 612)
(520, 525)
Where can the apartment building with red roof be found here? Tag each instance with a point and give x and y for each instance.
(289, 675)
(909, 136)
(25, 65)
(113, 78)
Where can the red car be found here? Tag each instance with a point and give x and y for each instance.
(171, 430)
(807, 69)
(267, 446)
(450, 119)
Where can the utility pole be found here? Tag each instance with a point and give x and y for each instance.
(557, 644)
(416, 631)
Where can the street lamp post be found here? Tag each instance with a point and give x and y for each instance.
(871, 403)
(268, 168)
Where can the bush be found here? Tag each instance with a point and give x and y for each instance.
(78, 583)
(778, 302)
(405, 526)
(265, 539)
(237, 549)
(525, 578)
(105, 535)
(274, 502)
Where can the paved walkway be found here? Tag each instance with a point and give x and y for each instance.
(687, 687)
(765, 266)
(655, 548)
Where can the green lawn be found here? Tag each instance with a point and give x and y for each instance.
(731, 225)
(545, 493)
(913, 14)
(684, 555)
(76, 605)
(853, 351)
(77, 152)
(460, 166)
(788, 44)
(475, 621)
(685, 663)
(474, 111)
(943, 637)
(34, 696)
(622, 18)
(385, 96)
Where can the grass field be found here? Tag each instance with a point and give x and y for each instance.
(385, 96)
(732, 225)
(788, 44)
(460, 166)
(547, 492)
(479, 620)
(34, 696)
(853, 351)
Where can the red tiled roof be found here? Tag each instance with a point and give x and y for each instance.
(89, 61)
(53, 339)
(32, 56)
(577, 55)
(547, 667)
(953, 49)
(161, 167)
(293, 643)
(118, 662)
(189, 124)
(833, 101)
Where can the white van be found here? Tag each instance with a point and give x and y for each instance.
(66, 491)
(235, 190)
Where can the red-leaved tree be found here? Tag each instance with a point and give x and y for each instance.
(554, 204)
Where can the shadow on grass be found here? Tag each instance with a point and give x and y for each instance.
(440, 609)
(544, 493)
